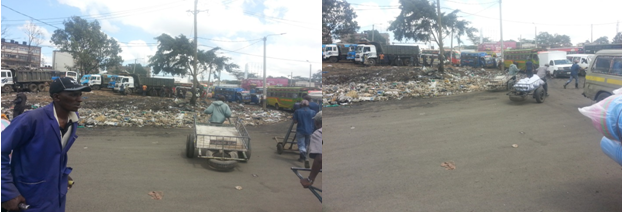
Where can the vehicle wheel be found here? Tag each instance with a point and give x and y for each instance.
(398, 62)
(41, 87)
(7, 89)
(190, 150)
(539, 95)
(279, 147)
(555, 75)
(602, 96)
(372, 62)
(153, 92)
(222, 165)
(333, 60)
(32, 87)
(276, 106)
(96, 87)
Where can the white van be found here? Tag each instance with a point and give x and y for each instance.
(558, 64)
(584, 60)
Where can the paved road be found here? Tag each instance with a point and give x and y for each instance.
(387, 156)
(115, 168)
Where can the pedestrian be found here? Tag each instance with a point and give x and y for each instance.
(574, 74)
(303, 118)
(163, 91)
(38, 174)
(529, 68)
(20, 104)
(219, 110)
(513, 70)
(541, 72)
(122, 88)
(144, 90)
(312, 105)
(315, 151)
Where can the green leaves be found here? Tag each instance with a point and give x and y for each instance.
(337, 20)
(88, 45)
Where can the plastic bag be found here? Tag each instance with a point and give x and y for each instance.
(612, 148)
(606, 116)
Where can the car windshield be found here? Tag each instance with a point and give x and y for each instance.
(562, 62)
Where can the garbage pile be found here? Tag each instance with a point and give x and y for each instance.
(343, 88)
(139, 111)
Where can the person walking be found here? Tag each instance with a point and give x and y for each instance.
(315, 152)
(529, 68)
(144, 90)
(37, 174)
(20, 104)
(303, 118)
(312, 105)
(219, 110)
(574, 74)
(541, 72)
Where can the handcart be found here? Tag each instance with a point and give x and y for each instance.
(500, 82)
(528, 87)
(280, 145)
(222, 144)
(313, 189)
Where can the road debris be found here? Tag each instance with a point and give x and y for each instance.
(238, 187)
(449, 165)
(157, 195)
(515, 145)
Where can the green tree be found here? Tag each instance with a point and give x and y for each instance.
(88, 45)
(418, 21)
(137, 68)
(617, 38)
(337, 20)
(175, 56)
(602, 40)
(376, 36)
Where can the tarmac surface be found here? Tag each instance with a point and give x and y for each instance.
(115, 169)
(387, 156)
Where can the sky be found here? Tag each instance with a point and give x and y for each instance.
(521, 18)
(236, 26)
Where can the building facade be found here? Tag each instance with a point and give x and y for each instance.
(14, 53)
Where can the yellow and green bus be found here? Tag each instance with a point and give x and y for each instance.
(521, 56)
(285, 97)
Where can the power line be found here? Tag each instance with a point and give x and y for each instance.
(259, 55)
(232, 41)
(29, 16)
(247, 46)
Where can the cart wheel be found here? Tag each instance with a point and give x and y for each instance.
(280, 147)
(222, 165)
(190, 146)
(539, 95)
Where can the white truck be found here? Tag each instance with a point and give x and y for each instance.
(380, 54)
(559, 65)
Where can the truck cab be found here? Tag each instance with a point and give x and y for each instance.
(126, 81)
(559, 65)
(365, 50)
(92, 80)
(331, 52)
(7, 81)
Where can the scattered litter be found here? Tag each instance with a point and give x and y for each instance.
(157, 195)
(449, 165)
(515, 145)
(238, 187)
(254, 175)
(85, 147)
(351, 128)
(522, 133)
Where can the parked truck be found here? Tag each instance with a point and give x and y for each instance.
(133, 83)
(559, 65)
(397, 55)
(335, 52)
(96, 81)
(19, 78)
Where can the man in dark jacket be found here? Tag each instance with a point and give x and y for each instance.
(574, 73)
(20, 104)
(37, 174)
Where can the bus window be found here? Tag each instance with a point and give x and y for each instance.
(602, 65)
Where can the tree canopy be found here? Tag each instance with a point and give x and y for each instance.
(337, 20)
(175, 56)
(602, 40)
(418, 21)
(88, 45)
(617, 38)
(546, 40)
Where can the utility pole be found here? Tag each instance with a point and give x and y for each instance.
(440, 37)
(501, 30)
(451, 46)
(372, 33)
(193, 99)
(592, 36)
(309, 74)
(134, 71)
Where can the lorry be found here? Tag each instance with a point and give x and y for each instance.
(133, 83)
(335, 52)
(113, 79)
(70, 74)
(96, 81)
(559, 65)
(17, 78)
(376, 53)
